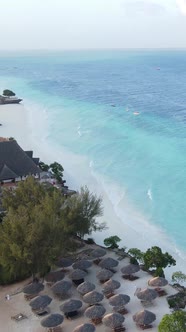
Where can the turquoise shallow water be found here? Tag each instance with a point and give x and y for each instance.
(89, 100)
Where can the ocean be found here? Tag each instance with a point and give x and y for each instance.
(124, 114)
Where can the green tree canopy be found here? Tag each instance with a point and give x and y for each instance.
(175, 322)
(8, 93)
(155, 258)
(81, 211)
(112, 241)
(57, 170)
(137, 254)
(38, 226)
(178, 276)
(44, 166)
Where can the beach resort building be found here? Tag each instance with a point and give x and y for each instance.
(15, 163)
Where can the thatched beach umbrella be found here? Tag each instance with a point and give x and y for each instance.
(71, 306)
(52, 320)
(40, 302)
(82, 264)
(85, 287)
(104, 275)
(113, 320)
(130, 269)
(158, 282)
(144, 317)
(64, 262)
(85, 328)
(119, 300)
(108, 263)
(147, 295)
(33, 288)
(93, 297)
(77, 274)
(95, 312)
(111, 285)
(97, 253)
(61, 287)
(54, 276)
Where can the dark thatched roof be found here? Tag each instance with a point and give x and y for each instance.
(77, 274)
(130, 269)
(93, 297)
(144, 317)
(113, 320)
(119, 300)
(158, 282)
(52, 320)
(14, 162)
(87, 327)
(85, 287)
(64, 262)
(104, 275)
(95, 311)
(33, 288)
(110, 285)
(61, 287)
(147, 294)
(54, 276)
(40, 302)
(82, 264)
(96, 253)
(71, 305)
(108, 263)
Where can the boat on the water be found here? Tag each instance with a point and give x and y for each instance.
(9, 100)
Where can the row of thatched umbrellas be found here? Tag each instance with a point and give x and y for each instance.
(113, 320)
(87, 290)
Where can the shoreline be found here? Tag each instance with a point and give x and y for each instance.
(19, 121)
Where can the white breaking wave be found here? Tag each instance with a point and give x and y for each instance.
(91, 164)
(149, 194)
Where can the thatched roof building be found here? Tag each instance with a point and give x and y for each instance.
(16, 163)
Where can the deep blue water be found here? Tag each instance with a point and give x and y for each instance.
(90, 99)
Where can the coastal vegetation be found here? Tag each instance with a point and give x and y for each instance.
(55, 168)
(178, 277)
(153, 258)
(112, 242)
(8, 93)
(40, 225)
(175, 322)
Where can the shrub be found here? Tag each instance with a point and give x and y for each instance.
(111, 242)
(90, 240)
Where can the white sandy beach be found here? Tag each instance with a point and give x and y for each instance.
(15, 123)
(17, 304)
(20, 122)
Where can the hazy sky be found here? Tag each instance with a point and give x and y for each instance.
(77, 24)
